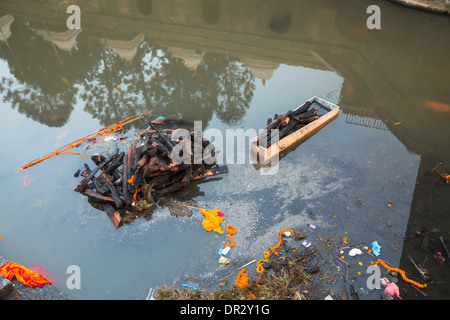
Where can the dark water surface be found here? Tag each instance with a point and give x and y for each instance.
(365, 176)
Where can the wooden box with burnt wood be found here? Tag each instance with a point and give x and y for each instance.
(291, 128)
(136, 179)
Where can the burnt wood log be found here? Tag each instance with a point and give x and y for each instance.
(307, 114)
(125, 177)
(210, 172)
(114, 193)
(285, 122)
(137, 156)
(97, 196)
(88, 170)
(100, 185)
(131, 155)
(90, 185)
(304, 122)
(142, 162)
(277, 120)
(302, 109)
(151, 167)
(97, 159)
(163, 151)
(90, 176)
(118, 182)
(161, 161)
(138, 179)
(151, 151)
(311, 119)
(115, 163)
(274, 124)
(285, 118)
(113, 215)
(287, 129)
(167, 142)
(290, 122)
(131, 158)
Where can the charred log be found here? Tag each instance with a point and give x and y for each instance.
(132, 181)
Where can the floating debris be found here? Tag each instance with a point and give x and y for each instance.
(444, 251)
(354, 252)
(135, 179)
(104, 132)
(286, 277)
(424, 274)
(295, 126)
(391, 290)
(376, 248)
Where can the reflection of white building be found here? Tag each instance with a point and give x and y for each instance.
(261, 69)
(191, 58)
(5, 24)
(63, 40)
(126, 49)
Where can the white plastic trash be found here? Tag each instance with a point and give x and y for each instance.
(224, 251)
(110, 138)
(354, 252)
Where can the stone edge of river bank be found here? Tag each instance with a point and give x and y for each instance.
(14, 290)
(431, 6)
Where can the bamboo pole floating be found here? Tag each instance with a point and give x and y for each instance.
(106, 131)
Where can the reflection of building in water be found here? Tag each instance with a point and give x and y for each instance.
(63, 40)
(5, 24)
(191, 58)
(365, 122)
(261, 69)
(264, 34)
(125, 49)
(356, 110)
(429, 216)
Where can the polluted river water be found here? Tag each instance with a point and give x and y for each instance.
(367, 176)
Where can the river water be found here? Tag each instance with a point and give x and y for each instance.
(366, 176)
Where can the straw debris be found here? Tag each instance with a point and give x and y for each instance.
(288, 275)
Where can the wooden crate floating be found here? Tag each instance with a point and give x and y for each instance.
(326, 112)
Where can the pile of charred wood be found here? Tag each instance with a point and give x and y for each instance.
(136, 179)
(288, 123)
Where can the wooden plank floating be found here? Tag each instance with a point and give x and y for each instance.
(134, 180)
(294, 128)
